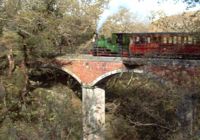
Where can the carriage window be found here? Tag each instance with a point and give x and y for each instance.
(159, 39)
(137, 40)
(148, 40)
(179, 40)
(170, 40)
(154, 39)
(164, 40)
(189, 40)
(185, 40)
(132, 40)
(142, 40)
(175, 40)
(195, 41)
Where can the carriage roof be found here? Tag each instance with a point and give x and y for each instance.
(159, 33)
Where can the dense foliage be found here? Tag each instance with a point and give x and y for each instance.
(32, 34)
(186, 22)
(38, 101)
(144, 108)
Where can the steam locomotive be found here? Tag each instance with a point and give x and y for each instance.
(169, 44)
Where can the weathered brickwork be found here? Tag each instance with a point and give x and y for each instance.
(89, 71)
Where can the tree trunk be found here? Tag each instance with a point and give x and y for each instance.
(24, 70)
(11, 62)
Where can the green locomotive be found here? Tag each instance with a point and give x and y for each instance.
(117, 45)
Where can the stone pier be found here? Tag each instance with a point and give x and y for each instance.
(93, 108)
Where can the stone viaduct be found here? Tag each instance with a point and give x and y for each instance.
(91, 71)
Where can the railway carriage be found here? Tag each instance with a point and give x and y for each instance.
(170, 45)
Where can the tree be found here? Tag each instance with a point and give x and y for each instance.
(123, 21)
(32, 34)
(186, 22)
(192, 3)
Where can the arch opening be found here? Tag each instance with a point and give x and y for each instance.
(112, 73)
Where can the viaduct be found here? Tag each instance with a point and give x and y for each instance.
(91, 72)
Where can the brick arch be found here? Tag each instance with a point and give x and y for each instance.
(73, 75)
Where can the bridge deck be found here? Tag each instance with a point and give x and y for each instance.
(160, 62)
(133, 61)
(90, 58)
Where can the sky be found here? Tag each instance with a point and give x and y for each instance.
(144, 8)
